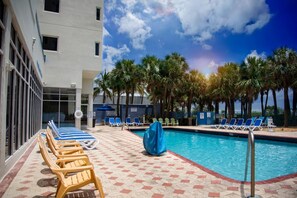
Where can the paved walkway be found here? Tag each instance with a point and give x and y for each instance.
(126, 171)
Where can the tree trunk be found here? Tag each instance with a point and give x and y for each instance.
(229, 110)
(274, 102)
(104, 97)
(217, 110)
(232, 108)
(127, 104)
(266, 102)
(286, 106)
(189, 105)
(118, 103)
(294, 102)
(132, 96)
(262, 103)
(250, 103)
(225, 109)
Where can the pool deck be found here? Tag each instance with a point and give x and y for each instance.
(126, 171)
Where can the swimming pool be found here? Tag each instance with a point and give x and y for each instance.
(226, 155)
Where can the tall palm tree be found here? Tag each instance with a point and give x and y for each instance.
(172, 71)
(126, 69)
(250, 82)
(195, 85)
(117, 86)
(102, 85)
(283, 61)
(228, 78)
(151, 66)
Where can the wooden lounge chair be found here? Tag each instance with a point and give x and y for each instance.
(64, 151)
(81, 175)
(68, 161)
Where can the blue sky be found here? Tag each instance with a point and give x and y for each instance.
(208, 33)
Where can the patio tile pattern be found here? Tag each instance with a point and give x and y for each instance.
(126, 170)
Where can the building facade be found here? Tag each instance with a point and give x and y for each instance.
(50, 52)
(72, 43)
(21, 73)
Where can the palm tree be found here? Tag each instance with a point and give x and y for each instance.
(228, 78)
(126, 69)
(283, 60)
(250, 82)
(117, 86)
(102, 84)
(151, 66)
(172, 70)
(195, 85)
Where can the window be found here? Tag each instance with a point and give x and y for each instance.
(59, 105)
(98, 14)
(96, 49)
(51, 5)
(24, 97)
(50, 43)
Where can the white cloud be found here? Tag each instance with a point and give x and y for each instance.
(254, 53)
(113, 55)
(202, 19)
(136, 28)
(110, 5)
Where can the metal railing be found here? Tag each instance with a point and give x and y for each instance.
(251, 150)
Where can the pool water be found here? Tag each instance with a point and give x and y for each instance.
(226, 155)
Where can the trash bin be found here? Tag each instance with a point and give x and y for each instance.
(94, 122)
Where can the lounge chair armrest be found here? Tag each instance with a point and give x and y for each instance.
(68, 143)
(72, 155)
(74, 169)
(65, 149)
(70, 159)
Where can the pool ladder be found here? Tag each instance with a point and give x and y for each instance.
(251, 149)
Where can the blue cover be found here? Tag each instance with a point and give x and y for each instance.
(153, 139)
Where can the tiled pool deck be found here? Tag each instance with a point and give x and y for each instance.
(126, 171)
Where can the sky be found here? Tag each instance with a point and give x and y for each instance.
(208, 33)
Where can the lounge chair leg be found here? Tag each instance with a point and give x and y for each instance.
(61, 192)
(98, 185)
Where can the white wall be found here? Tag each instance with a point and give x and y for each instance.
(77, 30)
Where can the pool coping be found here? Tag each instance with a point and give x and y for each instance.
(227, 133)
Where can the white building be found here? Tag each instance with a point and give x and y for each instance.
(72, 42)
(52, 83)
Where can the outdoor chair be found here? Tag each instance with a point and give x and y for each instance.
(111, 122)
(118, 121)
(270, 124)
(230, 124)
(128, 122)
(167, 122)
(238, 124)
(161, 120)
(257, 125)
(86, 140)
(137, 122)
(80, 176)
(173, 122)
(247, 124)
(222, 124)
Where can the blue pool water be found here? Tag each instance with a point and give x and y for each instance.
(226, 155)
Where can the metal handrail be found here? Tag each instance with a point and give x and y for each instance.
(251, 142)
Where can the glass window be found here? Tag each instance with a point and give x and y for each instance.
(59, 105)
(50, 43)
(51, 5)
(97, 49)
(98, 10)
